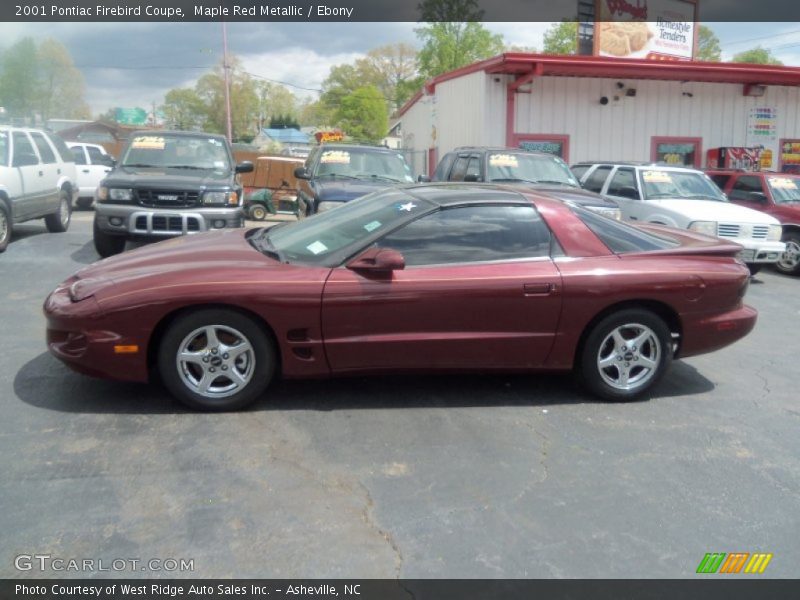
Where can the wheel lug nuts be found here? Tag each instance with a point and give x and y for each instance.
(627, 364)
(224, 368)
(205, 359)
(213, 351)
(624, 348)
(212, 370)
(619, 358)
(225, 356)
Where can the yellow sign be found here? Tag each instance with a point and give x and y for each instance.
(503, 160)
(148, 142)
(337, 157)
(656, 177)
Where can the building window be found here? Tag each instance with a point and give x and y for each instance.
(547, 143)
(678, 151)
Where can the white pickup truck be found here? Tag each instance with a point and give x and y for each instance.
(37, 180)
(686, 199)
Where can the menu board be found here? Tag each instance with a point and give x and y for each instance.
(790, 156)
(762, 130)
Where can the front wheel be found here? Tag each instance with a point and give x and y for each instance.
(216, 360)
(105, 244)
(789, 262)
(58, 222)
(625, 354)
(5, 227)
(258, 212)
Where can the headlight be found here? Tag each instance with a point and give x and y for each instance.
(221, 198)
(775, 233)
(323, 206)
(704, 227)
(104, 194)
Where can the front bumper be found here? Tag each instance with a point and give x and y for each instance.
(76, 335)
(138, 221)
(759, 251)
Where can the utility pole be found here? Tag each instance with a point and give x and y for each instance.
(227, 81)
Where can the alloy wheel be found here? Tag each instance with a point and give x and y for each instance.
(629, 356)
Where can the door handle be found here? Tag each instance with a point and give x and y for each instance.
(41, 173)
(86, 170)
(538, 289)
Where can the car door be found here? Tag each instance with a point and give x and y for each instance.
(479, 290)
(749, 191)
(25, 160)
(624, 189)
(51, 169)
(83, 172)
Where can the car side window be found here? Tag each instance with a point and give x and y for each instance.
(95, 156)
(472, 234)
(45, 151)
(443, 168)
(623, 184)
(61, 147)
(23, 146)
(748, 188)
(78, 155)
(459, 169)
(579, 170)
(596, 179)
(474, 168)
(720, 180)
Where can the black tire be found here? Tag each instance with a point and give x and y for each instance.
(58, 222)
(84, 203)
(608, 382)
(105, 244)
(789, 263)
(258, 212)
(754, 268)
(6, 226)
(254, 365)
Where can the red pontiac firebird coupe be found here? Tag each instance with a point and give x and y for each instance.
(422, 278)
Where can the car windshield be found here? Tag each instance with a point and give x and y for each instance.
(328, 237)
(177, 151)
(679, 185)
(3, 148)
(361, 163)
(528, 168)
(785, 189)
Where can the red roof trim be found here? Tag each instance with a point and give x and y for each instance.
(621, 68)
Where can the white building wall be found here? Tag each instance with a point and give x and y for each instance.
(622, 129)
(460, 112)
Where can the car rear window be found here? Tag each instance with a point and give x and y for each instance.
(622, 238)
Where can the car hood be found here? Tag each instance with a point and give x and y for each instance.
(168, 178)
(710, 210)
(344, 190)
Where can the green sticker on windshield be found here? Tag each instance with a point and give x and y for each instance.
(372, 226)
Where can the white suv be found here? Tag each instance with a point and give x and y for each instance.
(92, 164)
(37, 180)
(686, 199)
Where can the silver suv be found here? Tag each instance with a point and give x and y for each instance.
(37, 180)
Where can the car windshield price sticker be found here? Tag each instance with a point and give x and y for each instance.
(656, 177)
(338, 157)
(372, 226)
(149, 142)
(783, 183)
(316, 248)
(503, 160)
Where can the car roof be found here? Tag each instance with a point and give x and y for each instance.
(449, 193)
(170, 132)
(652, 165)
(346, 146)
(497, 149)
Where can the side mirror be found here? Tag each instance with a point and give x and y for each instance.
(25, 159)
(472, 178)
(302, 173)
(629, 192)
(108, 161)
(379, 260)
(245, 167)
(423, 179)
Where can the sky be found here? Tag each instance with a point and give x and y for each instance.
(135, 64)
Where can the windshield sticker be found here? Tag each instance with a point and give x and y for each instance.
(316, 248)
(214, 142)
(339, 157)
(372, 226)
(219, 164)
(149, 142)
(406, 207)
(503, 160)
(783, 183)
(656, 177)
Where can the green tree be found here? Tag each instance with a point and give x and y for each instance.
(392, 67)
(244, 99)
(561, 38)
(708, 47)
(61, 87)
(184, 109)
(19, 86)
(756, 56)
(453, 36)
(362, 114)
(275, 99)
(283, 122)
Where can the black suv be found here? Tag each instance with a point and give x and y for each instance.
(168, 183)
(337, 173)
(534, 170)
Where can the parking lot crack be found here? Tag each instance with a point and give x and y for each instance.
(367, 515)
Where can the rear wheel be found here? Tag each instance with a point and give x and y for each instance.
(258, 212)
(105, 244)
(789, 262)
(58, 222)
(625, 354)
(5, 227)
(216, 359)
